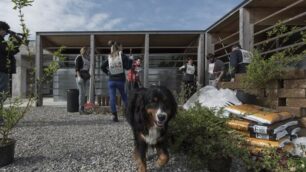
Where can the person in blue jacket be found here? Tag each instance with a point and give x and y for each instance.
(115, 67)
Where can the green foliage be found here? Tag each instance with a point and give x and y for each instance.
(53, 66)
(206, 139)
(13, 112)
(203, 137)
(181, 95)
(11, 115)
(276, 160)
(261, 71)
(185, 91)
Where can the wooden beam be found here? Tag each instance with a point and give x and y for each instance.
(39, 71)
(201, 60)
(146, 61)
(226, 38)
(284, 22)
(279, 11)
(92, 69)
(224, 47)
(280, 36)
(246, 29)
(209, 48)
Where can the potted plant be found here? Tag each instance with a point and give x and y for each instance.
(11, 114)
(14, 109)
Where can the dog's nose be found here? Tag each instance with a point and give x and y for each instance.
(161, 117)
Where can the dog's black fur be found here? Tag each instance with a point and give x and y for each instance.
(144, 107)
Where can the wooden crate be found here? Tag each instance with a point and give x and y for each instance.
(294, 110)
(296, 83)
(292, 93)
(230, 85)
(296, 102)
(294, 74)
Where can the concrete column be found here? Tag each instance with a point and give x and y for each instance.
(146, 61)
(201, 60)
(209, 48)
(39, 70)
(246, 29)
(19, 79)
(92, 69)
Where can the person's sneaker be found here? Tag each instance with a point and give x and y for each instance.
(82, 112)
(115, 117)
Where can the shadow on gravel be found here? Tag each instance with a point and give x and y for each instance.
(25, 161)
(66, 123)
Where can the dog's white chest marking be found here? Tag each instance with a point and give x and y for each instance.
(153, 136)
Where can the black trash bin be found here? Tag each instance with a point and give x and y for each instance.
(72, 100)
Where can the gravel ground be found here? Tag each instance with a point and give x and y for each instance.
(50, 139)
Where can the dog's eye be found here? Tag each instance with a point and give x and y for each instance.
(155, 99)
(152, 105)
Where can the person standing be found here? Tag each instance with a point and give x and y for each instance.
(215, 70)
(7, 59)
(133, 75)
(189, 70)
(115, 67)
(82, 65)
(239, 59)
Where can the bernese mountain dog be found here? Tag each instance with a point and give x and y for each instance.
(148, 113)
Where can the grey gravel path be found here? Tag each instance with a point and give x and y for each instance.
(50, 139)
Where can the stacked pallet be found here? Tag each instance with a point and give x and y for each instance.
(287, 94)
(262, 127)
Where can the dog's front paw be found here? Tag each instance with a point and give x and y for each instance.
(142, 169)
(162, 160)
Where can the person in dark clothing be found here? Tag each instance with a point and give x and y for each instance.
(115, 67)
(189, 78)
(215, 70)
(7, 59)
(239, 59)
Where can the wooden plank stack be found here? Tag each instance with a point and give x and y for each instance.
(287, 94)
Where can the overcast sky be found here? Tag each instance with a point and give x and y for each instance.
(98, 15)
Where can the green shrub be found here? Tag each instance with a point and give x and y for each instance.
(203, 137)
(263, 68)
(206, 139)
(261, 71)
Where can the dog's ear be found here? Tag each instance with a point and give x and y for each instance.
(130, 110)
(136, 111)
(141, 116)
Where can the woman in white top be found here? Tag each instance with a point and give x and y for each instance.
(189, 80)
(82, 65)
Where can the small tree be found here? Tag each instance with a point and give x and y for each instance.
(262, 70)
(13, 113)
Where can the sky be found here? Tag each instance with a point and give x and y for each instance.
(117, 15)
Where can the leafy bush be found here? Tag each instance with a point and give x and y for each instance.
(263, 68)
(206, 139)
(203, 137)
(261, 71)
(11, 116)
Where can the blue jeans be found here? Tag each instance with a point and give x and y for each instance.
(112, 86)
(83, 88)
